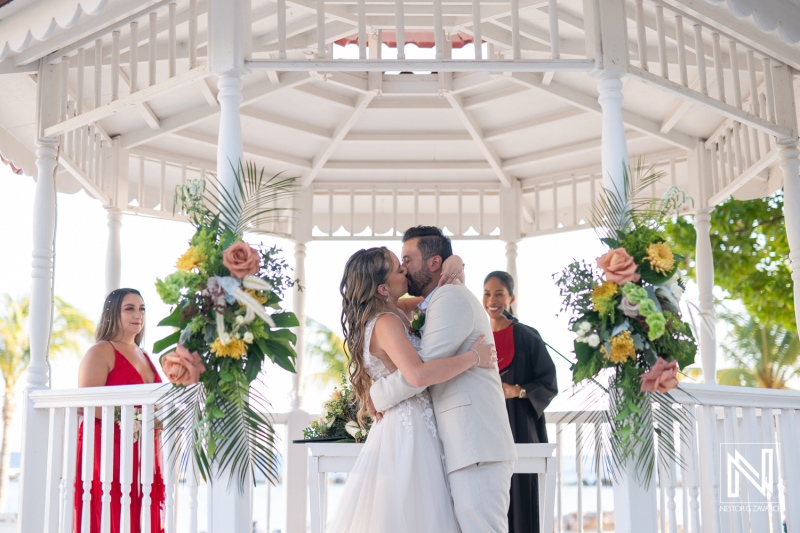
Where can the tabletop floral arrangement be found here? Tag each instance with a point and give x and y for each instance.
(627, 319)
(338, 420)
(226, 299)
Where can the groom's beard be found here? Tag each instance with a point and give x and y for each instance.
(417, 282)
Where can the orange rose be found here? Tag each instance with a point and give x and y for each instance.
(662, 377)
(241, 260)
(618, 266)
(182, 367)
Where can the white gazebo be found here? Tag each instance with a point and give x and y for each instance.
(506, 140)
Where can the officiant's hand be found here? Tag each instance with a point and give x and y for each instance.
(511, 391)
(452, 270)
(376, 416)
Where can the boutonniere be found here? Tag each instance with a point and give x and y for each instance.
(417, 321)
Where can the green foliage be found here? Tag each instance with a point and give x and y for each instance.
(751, 256)
(328, 348)
(339, 418)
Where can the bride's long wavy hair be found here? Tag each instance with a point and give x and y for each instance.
(364, 272)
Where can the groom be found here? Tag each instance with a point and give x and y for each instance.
(470, 408)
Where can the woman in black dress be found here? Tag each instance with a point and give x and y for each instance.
(529, 384)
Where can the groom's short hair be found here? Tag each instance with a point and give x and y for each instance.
(431, 241)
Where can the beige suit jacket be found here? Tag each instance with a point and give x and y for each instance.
(470, 408)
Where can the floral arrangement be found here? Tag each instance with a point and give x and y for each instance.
(226, 296)
(627, 321)
(417, 322)
(338, 420)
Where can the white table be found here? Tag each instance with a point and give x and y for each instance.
(325, 457)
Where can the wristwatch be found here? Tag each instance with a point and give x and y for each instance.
(522, 392)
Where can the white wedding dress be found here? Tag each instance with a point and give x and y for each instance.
(398, 483)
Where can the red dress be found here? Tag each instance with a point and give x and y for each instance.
(123, 373)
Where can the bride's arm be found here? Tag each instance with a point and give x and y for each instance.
(406, 305)
(391, 339)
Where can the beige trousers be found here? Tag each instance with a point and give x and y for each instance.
(481, 495)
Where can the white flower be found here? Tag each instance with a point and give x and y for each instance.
(352, 428)
(676, 290)
(248, 337)
(593, 340)
(581, 338)
(628, 309)
(239, 319)
(225, 338)
(584, 328)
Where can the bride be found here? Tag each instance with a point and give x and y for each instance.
(398, 483)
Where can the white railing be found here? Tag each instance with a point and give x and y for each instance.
(105, 68)
(527, 36)
(689, 495)
(676, 51)
(186, 494)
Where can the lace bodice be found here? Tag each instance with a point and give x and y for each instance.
(374, 365)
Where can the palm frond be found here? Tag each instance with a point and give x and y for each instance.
(254, 198)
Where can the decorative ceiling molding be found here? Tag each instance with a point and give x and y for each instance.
(769, 16)
(40, 20)
(17, 153)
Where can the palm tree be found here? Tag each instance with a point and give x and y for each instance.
(69, 327)
(328, 347)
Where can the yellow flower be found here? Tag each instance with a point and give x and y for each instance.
(660, 257)
(235, 349)
(258, 295)
(622, 348)
(603, 297)
(193, 258)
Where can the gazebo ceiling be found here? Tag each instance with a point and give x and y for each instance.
(345, 133)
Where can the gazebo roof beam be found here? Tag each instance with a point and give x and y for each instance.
(252, 151)
(408, 165)
(473, 80)
(422, 188)
(341, 101)
(347, 81)
(513, 129)
(417, 136)
(172, 159)
(384, 103)
(594, 169)
(341, 131)
(297, 27)
(192, 116)
(289, 123)
(560, 152)
(307, 40)
(336, 12)
(589, 103)
(489, 13)
(480, 100)
(475, 131)
(502, 37)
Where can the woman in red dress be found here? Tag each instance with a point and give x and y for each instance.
(117, 359)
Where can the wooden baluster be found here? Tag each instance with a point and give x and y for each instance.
(769, 89)
(662, 493)
(559, 474)
(114, 65)
(68, 468)
(598, 470)
(362, 29)
(787, 440)
(54, 468)
(79, 96)
(163, 187)
(723, 174)
(718, 67)
(147, 459)
(438, 29)
(133, 55)
(87, 468)
(481, 211)
(768, 437)
(671, 476)
(140, 194)
(352, 229)
(375, 212)
(715, 177)
(126, 445)
(476, 29)
(173, 42)
(152, 48)
(737, 89)
(755, 109)
(321, 29)
(192, 33)
(552, 14)
(737, 147)
(400, 28)
(762, 102)
(691, 475)
(537, 205)
(579, 472)
(98, 156)
(555, 205)
(90, 153)
(700, 57)
(98, 72)
(751, 432)
(708, 468)
(731, 151)
(460, 226)
(515, 41)
(282, 29)
(641, 35)
(69, 138)
(168, 463)
(731, 435)
(330, 214)
(106, 466)
(681, 50)
(662, 41)
(191, 482)
(63, 95)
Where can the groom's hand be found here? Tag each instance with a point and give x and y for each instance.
(376, 416)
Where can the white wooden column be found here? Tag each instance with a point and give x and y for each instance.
(705, 283)
(790, 167)
(229, 34)
(511, 230)
(113, 250)
(614, 147)
(297, 454)
(35, 430)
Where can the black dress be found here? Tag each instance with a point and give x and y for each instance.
(533, 370)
